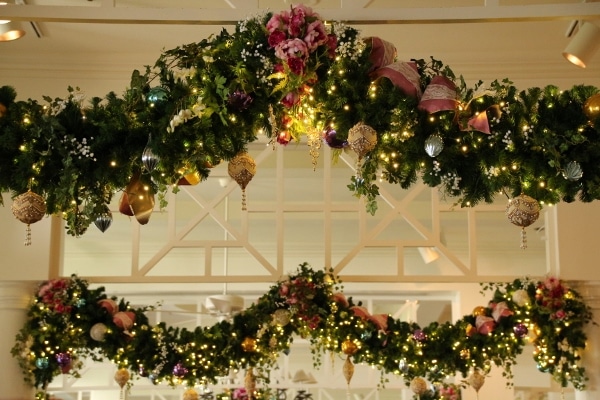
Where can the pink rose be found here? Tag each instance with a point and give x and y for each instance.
(290, 99)
(278, 21)
(284, 290)
(315, 35)
(297, 21)
(291, 48)
(560, 314)
(276, 37)
(296, 65)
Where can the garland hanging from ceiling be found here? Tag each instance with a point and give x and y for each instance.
(69, 322)
(289, 76)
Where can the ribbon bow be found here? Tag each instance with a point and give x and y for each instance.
(403, 75)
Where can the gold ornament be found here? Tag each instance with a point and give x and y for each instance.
(249, 344)
(140, 199)
(281, 317)
(418, 385)
(190, 394)
(190, 179)
(348, 370)
(591, 108)
(476, 380)
(242, 169)
(465, 354)
(121, 377)
(29, 208)
(2, 110)
(362, 139)
(523, 211)
(479, 310)
(349, 348)
(470, 330)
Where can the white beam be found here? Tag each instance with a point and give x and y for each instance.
(360, 16)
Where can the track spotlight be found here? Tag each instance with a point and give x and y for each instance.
(583, 45)
(10, 30)
(429, 254)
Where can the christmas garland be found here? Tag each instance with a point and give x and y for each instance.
(68, 322)
(288, 75)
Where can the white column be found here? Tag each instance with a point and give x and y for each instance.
(14, 298)
(591, 356)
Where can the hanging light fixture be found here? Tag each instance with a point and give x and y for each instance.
(583, 45)
(10, 30)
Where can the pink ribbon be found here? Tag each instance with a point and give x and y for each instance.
(403, 75)
(439, 95)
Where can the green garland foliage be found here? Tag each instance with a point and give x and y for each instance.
(203, 103)
(69, 322)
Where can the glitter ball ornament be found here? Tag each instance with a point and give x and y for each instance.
(249, 344)
(520, 297)
(41, 363)
(104, 220)
(98, 332)
(157, 95)
(419, 335)
(281, 317)
(349, 347)
(29, 208)
(64, 361)
(479, 310)
(403, 366)
(434, 145)
(591, 108)
(122, 376)
(419, 386)
(362, 139)
(520, 330)
(523, 211)
(242, 169)
(572, 171)
(190, 394)
(179, 370)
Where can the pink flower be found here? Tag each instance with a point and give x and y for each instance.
(290, 99)
(240, 394)
(331, 45)
(284, 290)
(291, 48)
(296, 65)
(315, 35)
(560, 314)
(276, 37)
(284, 137)
(297, 20)
(278, 22)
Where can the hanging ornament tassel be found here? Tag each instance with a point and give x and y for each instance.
(250, 384)
(314, 142)
(29, 208)
(523, 239)
(242, 169)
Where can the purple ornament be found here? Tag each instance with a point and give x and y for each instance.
(330, 136)
(179, 370)
(63, 359)
(419, 335)
(520, 330)
(239, 100)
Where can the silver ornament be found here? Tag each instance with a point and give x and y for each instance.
(434, 145)
(572, 171)
(149, 159)
(104, 220)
